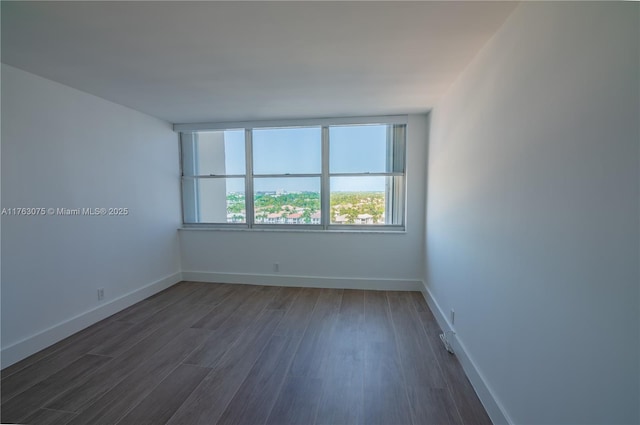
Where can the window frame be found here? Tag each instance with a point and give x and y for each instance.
(325, 175)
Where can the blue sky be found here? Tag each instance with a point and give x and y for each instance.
(298, 151)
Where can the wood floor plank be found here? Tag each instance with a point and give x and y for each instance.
(420, 365)
(377, 323)
(50, 417)
(284, 298)
(151, 305)
(414, 348)
(427, 318)
(208, 402)
(222, 312)
(438, 408)
(297, 403)
(133, 314)
(419, 303)
(128, 337)
(385, 396)
(232, 328)
(127, 394)
(22, 406)
(468, 404)
(40, 370)
(40, 355)
(133, 335)
(295, 321)
(208, 293)
(75, 399)
(215, 347)
(257, 394)
(177, 291)
(167, 397)
(342, 400)
(85, 335)
(309, 359)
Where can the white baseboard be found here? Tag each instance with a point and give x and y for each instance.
(494, 408)
(58, 332)
(306, 281)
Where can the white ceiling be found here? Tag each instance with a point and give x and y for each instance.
(223, 61)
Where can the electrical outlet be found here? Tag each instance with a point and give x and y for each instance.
(100, 294)
(276, 267)
(453, 316)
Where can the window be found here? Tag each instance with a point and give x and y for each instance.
(316, 175)
(214, 176)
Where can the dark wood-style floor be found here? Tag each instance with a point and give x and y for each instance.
(201, 353)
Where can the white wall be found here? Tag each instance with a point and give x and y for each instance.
(65, 148)
(320, 258)
(532, 216)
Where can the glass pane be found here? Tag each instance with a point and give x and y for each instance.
(366, 200)
(214, 200)
(287, 200)
(213, 152)
(287, 150)
(359, 149)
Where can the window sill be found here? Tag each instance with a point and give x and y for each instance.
(290, 230)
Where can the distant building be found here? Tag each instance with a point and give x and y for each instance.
(275, 218)
(364, 219)
(340, 219)
(295, 218)
(315, 218)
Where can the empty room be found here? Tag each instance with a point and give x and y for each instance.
(325, 212)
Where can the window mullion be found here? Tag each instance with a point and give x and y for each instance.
(248, 181)
(276, 176)
(216, 176)
(366, 174)
(325, 196)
